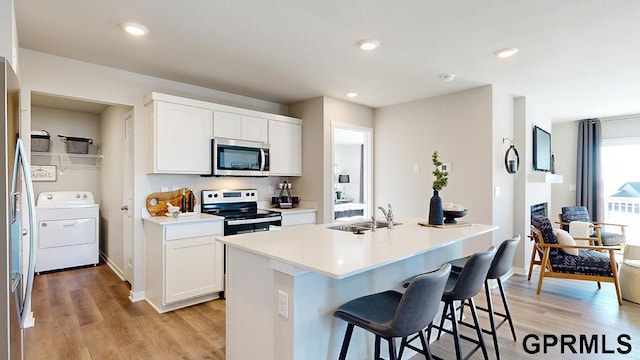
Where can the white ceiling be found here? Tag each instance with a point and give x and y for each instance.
(577, 59)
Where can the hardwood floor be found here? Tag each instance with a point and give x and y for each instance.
(86, 314)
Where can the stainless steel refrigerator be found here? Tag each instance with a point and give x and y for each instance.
(17, 256)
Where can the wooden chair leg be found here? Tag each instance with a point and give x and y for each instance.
(616, 279)
(543, 268)
(533, 260)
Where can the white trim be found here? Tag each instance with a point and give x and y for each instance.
(136, 296)
(113, 267)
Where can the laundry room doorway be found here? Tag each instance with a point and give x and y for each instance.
(100, 168)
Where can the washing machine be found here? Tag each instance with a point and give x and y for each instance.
(68, 226)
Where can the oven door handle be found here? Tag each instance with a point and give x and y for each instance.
(254, 221)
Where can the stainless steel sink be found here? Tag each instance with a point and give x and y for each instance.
(361, 226)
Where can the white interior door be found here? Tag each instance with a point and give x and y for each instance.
(127, 201)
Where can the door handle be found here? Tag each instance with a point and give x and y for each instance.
(25, 232)
(124, 208)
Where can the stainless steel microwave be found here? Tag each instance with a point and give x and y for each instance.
(239, 158)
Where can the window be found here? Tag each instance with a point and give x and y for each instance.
(622, 182)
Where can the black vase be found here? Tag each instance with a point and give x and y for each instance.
(436, 217)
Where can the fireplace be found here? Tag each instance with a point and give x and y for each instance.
(539, 209)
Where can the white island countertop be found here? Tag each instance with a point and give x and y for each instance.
(339, 254)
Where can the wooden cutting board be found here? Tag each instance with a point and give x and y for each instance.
(157, 202)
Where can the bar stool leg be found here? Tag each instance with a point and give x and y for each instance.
(377, 349)
(392, 349)
(506, 309)
(425, 346)
(472, 305)
(492, 321)
(456, 334)
(345, 342)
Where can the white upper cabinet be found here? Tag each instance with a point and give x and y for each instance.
(227, 125)
(241, 127)
(179, 132)
(178, 138)
(255, 129)
(285, 140)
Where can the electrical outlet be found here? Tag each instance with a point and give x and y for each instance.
(283, 304)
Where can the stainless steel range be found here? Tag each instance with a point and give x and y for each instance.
(240, 211)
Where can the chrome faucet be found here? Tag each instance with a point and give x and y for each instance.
(388, 214)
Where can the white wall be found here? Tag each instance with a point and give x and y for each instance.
(503, 182)
(526, 115)
(318, 114)
(9, 34)
(55, 75)
(459, 126)
(72, 173)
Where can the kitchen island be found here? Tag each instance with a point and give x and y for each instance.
(283, 286)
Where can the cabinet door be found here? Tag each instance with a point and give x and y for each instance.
(227, 125)
(255, 129)
(182, 139)
(193, 267)
(286, 148)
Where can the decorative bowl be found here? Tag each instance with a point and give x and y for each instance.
(451, 215)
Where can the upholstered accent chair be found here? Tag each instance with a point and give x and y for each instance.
(593, 262)
(601, 237)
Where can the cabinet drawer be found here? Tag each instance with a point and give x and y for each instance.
(193, 229)
(298, 219)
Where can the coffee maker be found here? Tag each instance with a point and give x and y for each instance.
(284, 200)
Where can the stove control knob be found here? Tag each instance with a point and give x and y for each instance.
(77, 196)
(247, 194)
(49, 196)
(84, 196)
(214, 195)
(253, 194)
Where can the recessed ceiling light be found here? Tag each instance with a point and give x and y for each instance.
(447, 77)
(134, 29)
(506, 52)
(352, 94)
(368, 44)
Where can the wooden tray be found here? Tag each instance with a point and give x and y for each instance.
(157, 202)
(444, 226)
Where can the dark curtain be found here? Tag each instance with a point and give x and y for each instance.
(361, 199)
(589, 187)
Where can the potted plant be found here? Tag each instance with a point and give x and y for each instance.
(338, 194)
(436, 215)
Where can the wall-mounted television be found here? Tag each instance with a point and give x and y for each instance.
(541, 149)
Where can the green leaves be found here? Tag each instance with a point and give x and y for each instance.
(441, 177)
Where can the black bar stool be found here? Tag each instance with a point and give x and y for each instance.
(391, 314)
(463, 286)
(500, 265)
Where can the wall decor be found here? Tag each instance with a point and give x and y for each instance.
(43, 172)
(511, 158)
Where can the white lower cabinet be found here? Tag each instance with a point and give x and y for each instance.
(183, 263)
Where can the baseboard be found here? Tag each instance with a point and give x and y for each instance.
(116, 270)
(136, 296)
